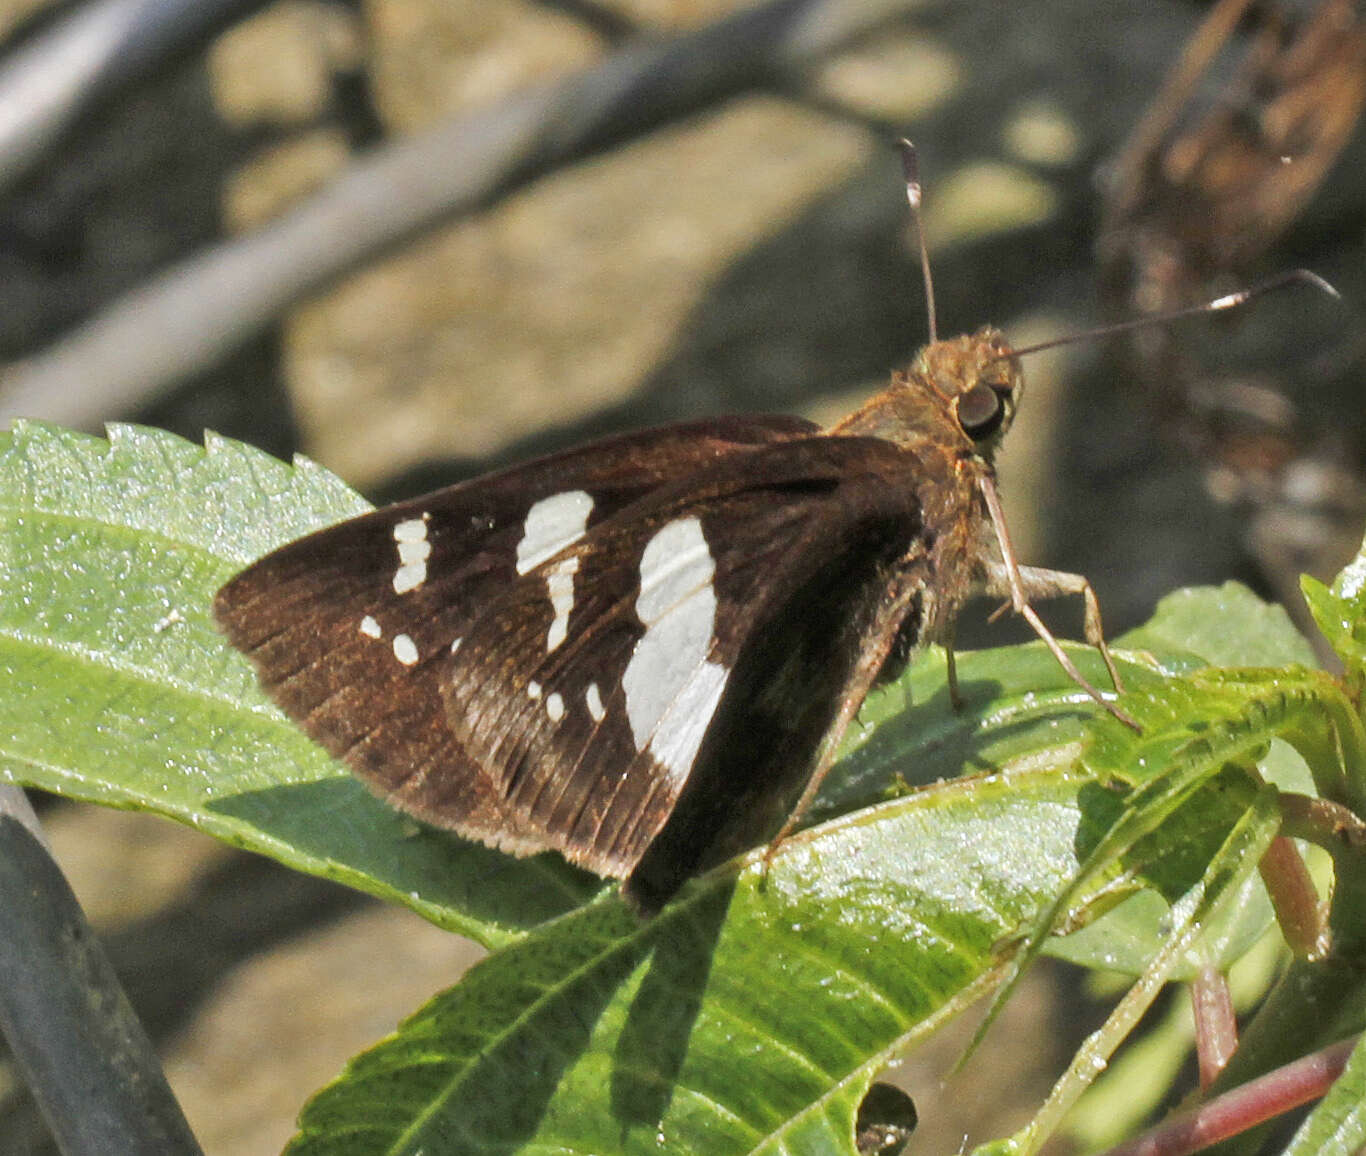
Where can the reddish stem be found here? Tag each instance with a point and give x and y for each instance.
(1298, 910)
(1216, 1027)
(1244, 1107)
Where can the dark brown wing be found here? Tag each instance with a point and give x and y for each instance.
(706, 637)
(326, 618)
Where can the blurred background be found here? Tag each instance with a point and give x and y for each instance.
(417, 239)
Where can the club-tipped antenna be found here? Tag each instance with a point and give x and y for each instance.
(1217, 305)
(910, 165)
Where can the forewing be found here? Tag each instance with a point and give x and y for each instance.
(351, 628)
(589, 689)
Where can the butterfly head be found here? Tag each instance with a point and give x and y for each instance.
(977, 379)
(959, 394)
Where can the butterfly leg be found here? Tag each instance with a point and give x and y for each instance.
(1040, 584)
(951, 669)
(1020, 584)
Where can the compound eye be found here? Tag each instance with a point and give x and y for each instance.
(980, 412)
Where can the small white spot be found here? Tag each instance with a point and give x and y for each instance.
(412, 530)
(560, 583)
(413, 552)
(405, 649)
(370, 628)
(594, 700)
(409, 577)
(455, 644)
(533, 689)
(552, 524)
(554, 707)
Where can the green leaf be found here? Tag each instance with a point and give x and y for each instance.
(1340, 613)
(1225, 625)
(119, 690)
(1230, 866)
(748, 1017)
(1185, 775)
(1126, 938)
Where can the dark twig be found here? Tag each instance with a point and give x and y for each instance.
(14, 805)
(78, 63)
(83, 1053)
(184, 321)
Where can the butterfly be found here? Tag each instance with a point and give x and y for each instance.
(642, 653)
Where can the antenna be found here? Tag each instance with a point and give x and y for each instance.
(1217, 305)
(910, 165)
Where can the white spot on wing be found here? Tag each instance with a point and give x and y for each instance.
(370, 628)
(672, 690)
(551, 525)
(533, 689)
(405, 649)
(554, 707)
(412, 530)
(676, 570)
(679, 733)
(413, 551)
(593, 697)
(409, 577)
(455, 644)
(560, 583)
